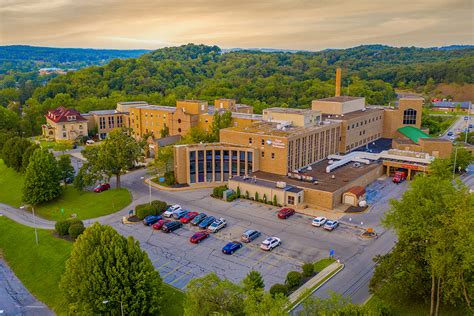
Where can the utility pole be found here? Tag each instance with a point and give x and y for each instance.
(467, 123)
(34, 222)
(149, 189)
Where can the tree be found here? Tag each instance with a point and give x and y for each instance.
(259, 302)
(431, 260)
(219, 121)
(441, 168)
(165, 131)
(25, 159)
(463, 158)
(41, 178)
(210, 295)
(13, 150)
(163, 161)
(118, 153)
(66, 170)
(253, 281)
(335, 304)
(105, 266)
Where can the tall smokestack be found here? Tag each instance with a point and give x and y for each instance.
(338, 82)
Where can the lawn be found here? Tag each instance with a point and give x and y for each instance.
(40, 267)
(84, 204)
(11, 184)
(323, 263)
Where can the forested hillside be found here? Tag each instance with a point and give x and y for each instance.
(261, 79)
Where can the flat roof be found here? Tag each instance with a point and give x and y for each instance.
(271, 128)
(191, 100)
(290, 110)
(132, 102)
(157, 107)
(247, 116)
(104, 112)
(440, 140)
(343, 175)
(351, 115)
(265, 183)
(342, 98)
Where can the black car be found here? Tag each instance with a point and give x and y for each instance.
(171, 226)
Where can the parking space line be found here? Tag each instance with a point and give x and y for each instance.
(163, 265)
(273, 264)
(164, 276)
(261, 259)
(180, 277)
(250, 255)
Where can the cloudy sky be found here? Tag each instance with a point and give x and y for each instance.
(288, 24)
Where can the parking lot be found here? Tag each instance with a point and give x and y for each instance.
(179, 261)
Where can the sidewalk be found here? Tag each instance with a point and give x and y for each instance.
(313, 284)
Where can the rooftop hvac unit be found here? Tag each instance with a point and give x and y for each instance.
(309, 168)
(330, 162)
(281, 184)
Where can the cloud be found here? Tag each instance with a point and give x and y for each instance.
(292, 24)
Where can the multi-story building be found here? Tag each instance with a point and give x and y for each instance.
(104, 121)
(64, 124)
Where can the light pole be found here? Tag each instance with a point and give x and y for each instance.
(149, 188)
(121, 305)
(467, 123)
(455, 158)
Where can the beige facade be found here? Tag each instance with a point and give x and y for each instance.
(63, 124)
(407, 113)
(339, 105)
(296, 117)
(436, 147)
(105, 121)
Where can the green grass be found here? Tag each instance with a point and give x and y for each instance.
(11, 184)
(323, 263)
(84, 204)
(39, 267)
(57, 146)
(431, 111)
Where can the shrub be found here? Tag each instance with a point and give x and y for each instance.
(170, 178)
(293, 279)
(238, 191)
(278, 288)
(308, 269)
(218, 192)
(76, 229)
(247, 195)
(62, 227)
(264, 198)
(155, 208)
(275, 200)
(232, 197)
(256, 196)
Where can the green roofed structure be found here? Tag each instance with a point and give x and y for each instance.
(413, 133)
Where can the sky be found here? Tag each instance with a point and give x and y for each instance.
(283, 24)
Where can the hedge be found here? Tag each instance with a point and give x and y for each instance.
(62, 227)
(156, 207)
(76, 229)
(293, 279)
(308, 269)
(278, 288)
(218, 192)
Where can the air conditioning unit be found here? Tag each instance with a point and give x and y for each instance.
(281, 184)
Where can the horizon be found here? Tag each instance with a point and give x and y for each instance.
(284, 25)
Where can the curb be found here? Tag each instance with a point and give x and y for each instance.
(163, 188)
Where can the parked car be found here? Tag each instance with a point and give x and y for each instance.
(171, 226)
(188, 217)
(90, 142)
(102, 187)
(331, 225)
(284, 213)
(206, 222)
(180, 213)
(232, 247)
(250, 235)
(199, 236)
(152, 219)
(159, 224)
(319, 221)
(450, 133)
(199, 218)
(173, 208)
(217, 225)
(270, 243)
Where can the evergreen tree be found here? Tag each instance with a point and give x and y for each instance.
(66, 170)
(41, 178)
(253, 281)
(25, 159)
(13, 150)
(105, 266)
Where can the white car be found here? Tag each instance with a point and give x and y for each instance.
(217, 225)
(171, 210)
(319, 221)
(90, 142)
(270, 243)
(331, 225)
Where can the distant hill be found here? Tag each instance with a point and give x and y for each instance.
(31, 58)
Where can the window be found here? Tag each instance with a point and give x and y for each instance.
(263, 154)
(179, 130)
(250, 140)
(409, 116)
(263, 142)
(179, 120)
(111, 122)
(64, 126)
(291, 200)
(120, 121)
(273, 155)
(80, 126)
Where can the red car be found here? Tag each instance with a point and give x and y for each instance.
(197, 237)
(102, 187)
(159, 224)
(284, 213)
(188, 217)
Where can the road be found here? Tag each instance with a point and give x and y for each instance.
(458, 126)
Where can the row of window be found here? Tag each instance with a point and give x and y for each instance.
(363, 141)
(365, 122)
(64, 126)
(111, 122)
(218, 165)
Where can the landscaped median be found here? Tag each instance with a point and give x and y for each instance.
(314, 283)
(39, 267)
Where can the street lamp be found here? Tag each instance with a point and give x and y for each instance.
(467, 122)
(455, 158)
(34, 222)
(121, 305)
